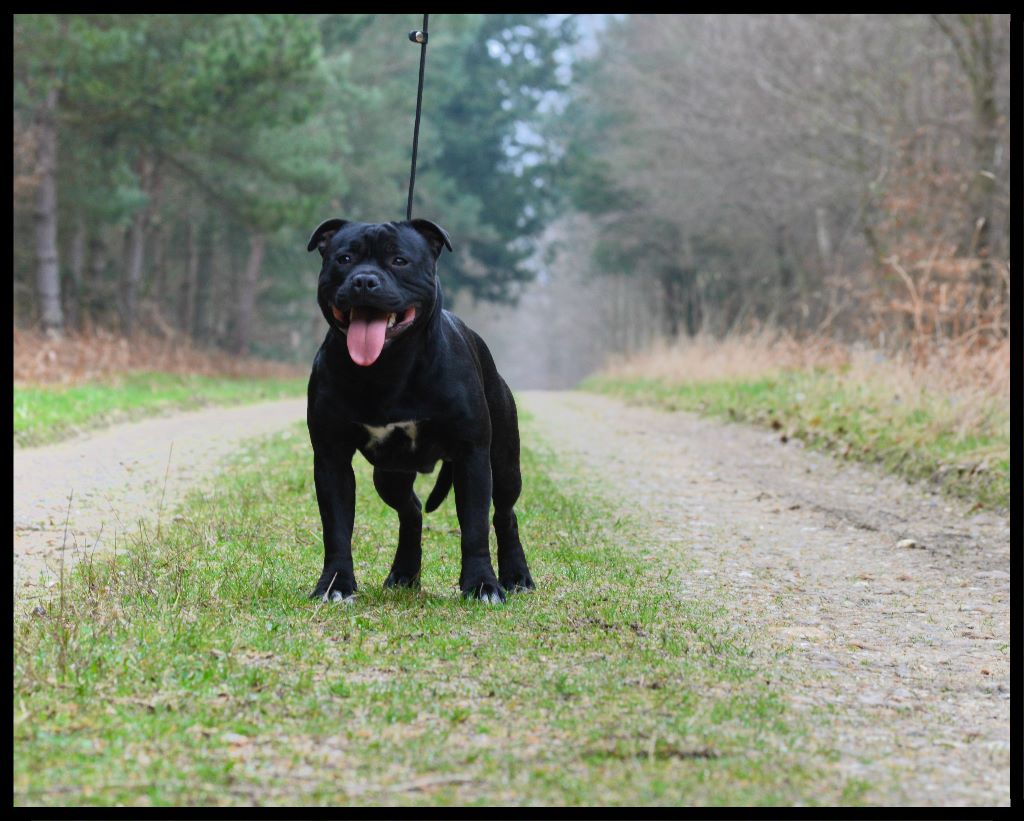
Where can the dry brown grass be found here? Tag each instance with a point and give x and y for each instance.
(76, 358)
(704, 358)
(963, 390)
(740, 356)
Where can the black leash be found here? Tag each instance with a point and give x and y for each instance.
(421, 38)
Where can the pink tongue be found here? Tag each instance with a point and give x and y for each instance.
(366, 331)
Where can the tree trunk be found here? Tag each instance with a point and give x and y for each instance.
(159, 289)
(135, 257)
(972, 40)
(202, 318)
(694, 315)
(136, 247)
(74, 299)
(782, 260)
(187, 305)
(97, 268)
(781, 309)
(157, 286)
(48, 271)
(985, 135)
(824, 239)
(670, 301)
(245, 303)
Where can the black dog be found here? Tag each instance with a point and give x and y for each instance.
(406, 383)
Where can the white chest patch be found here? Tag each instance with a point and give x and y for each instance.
(379, 434)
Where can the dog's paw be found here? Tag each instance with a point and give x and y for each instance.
(332, 584)
(397, 578)
(334, 595)
(518, 582)
(489, 592)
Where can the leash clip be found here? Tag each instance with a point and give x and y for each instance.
(418, 37)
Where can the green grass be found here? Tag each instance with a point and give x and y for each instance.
(193, 670)
(854, 421)
(46, 413)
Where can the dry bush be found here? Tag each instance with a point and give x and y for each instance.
(938, 288)
(99, 354)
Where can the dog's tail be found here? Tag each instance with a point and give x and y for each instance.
(441, 487)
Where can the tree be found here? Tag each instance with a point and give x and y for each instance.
(980, 48)
(154, 104)
(38, 79)
(488, 164)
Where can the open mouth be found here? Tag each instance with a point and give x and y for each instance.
(367, 329)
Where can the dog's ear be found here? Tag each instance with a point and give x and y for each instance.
(435, 235)
(325, 230)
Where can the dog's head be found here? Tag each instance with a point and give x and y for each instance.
(378, 281)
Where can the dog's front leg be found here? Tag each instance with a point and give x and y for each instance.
(471, 478)
(336, 496)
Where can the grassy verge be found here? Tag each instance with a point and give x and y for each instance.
(46, 413)
(192, 670)
(909, 433)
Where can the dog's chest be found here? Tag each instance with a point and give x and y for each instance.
(406, 445)
(383, 433)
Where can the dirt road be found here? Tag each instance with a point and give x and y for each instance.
(116, 477)
(909, 641)
(884, 610)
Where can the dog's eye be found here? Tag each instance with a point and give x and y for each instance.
(344, 258)
(399, 261)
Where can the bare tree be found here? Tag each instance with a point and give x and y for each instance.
(763, 164)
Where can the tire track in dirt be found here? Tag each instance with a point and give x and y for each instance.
(897, 656)
(118, 477)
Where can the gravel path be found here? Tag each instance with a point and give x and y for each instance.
(910, 643)
(116, 478)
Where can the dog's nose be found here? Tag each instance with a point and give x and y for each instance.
(365, 282)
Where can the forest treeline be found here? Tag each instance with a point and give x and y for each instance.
(169, 169)
(844, 175)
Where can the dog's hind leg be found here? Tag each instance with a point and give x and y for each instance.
(395, 488)
(513, 572)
